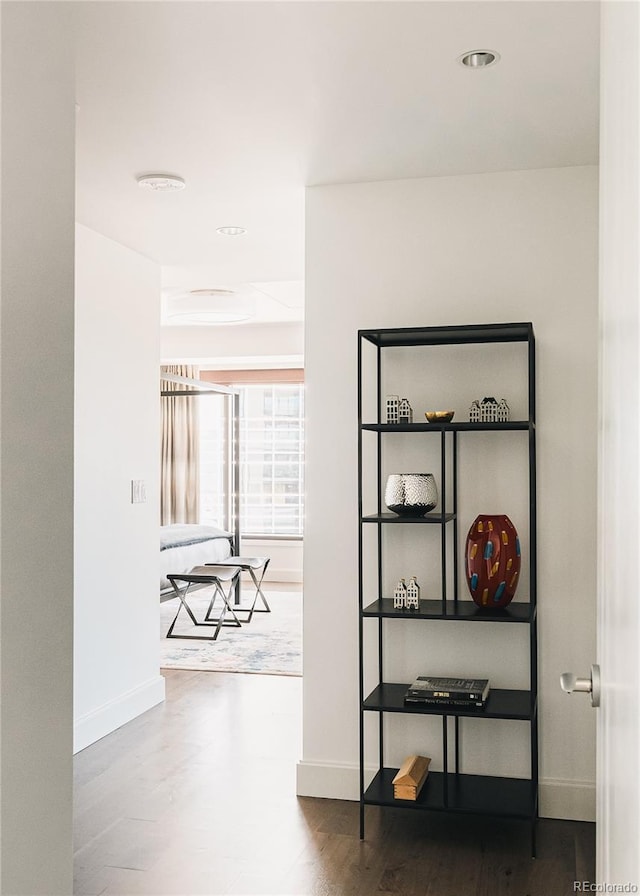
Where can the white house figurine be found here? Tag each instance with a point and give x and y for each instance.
(400, 596)
(413, 594)
(503, 411)
(405, 411)
(393, 409)
(489, 411)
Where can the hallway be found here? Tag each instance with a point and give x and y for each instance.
(197, 798)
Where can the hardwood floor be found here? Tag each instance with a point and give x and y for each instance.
(197, 798)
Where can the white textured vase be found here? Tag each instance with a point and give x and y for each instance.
(411, 494)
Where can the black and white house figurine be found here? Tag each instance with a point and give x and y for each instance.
(413, 594)
(474, 412)
(406, 597)
(400, 596)
(393, 409)
(503, 411)
(405, 411)
(489, 411)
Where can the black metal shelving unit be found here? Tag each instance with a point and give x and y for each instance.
(450, 790)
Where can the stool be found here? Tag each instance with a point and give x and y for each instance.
(252, 565)
(206, 575)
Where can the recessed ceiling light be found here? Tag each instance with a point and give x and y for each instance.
(161, 183)
(231, 231)
(479, 58)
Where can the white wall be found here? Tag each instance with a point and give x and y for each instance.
(286, 557)
(117, 420)
(483, 248)
(272, 344)
(36, 489)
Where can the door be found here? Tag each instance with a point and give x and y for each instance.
(618, 789)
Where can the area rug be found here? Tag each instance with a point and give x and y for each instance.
(271, 644)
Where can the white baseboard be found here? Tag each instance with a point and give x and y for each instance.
(283, 575)
(275, 574)
(117, 712)
(330, 780)
(574, 800)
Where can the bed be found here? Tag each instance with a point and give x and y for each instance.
(183, 546)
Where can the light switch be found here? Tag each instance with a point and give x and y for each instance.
(138, 491)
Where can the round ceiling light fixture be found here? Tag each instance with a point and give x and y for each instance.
(231, 231)
(161, 183)
(208, 306)
(479, 58)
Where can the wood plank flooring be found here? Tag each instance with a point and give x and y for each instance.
(197, 798)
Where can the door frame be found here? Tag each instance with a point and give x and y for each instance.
(618, 606)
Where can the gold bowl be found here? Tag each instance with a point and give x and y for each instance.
(439, 416)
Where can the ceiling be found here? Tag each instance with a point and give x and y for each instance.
(251, 102)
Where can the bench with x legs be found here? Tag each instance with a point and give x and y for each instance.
(255, 566)
(217, 575)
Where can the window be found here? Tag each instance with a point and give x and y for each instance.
(271, 456)
(272, 459)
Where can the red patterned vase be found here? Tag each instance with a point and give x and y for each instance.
(492, 560)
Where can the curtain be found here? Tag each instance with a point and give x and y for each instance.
(180, 452)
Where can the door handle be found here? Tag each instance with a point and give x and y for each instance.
(570, 683)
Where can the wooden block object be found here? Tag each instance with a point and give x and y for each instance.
(407, 784)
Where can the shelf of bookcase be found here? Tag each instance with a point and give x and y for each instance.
(501, 704)
(460, 611)
(469, 794)
(510, 425)
(395, 518)
(466, 334)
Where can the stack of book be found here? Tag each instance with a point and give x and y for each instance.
(467, 692)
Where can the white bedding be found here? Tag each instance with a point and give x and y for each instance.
(182, 557)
